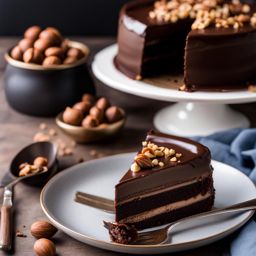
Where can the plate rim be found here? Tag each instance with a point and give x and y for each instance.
(104, 243)
(246, 96)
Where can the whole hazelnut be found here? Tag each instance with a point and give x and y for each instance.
(72, 116)
(25, 44)
(69, 60)
(42, 44)
(33, 55)
(65, 45)
(90, 122)
(83, 106)
(54, 51)
(102, 103)
(51, 34)
(40, 161)
(113, 114)
(97, 113)
(44, 247)
(42, 229)
(32, 32)
(75, 52)
(17, 53)
(88, 97)
(51, 61)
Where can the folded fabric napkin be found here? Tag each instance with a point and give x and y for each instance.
(237, 147)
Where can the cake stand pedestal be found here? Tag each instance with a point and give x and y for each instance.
(197, 113)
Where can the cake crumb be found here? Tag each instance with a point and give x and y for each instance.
(52, 132)
(20, 234)
(43, 126)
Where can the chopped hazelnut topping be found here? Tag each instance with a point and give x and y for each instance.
(178, 155)
(161, 164)
(173, 159)
(144, 143)
(155, 162)
(204, 12)
(172, 152)
(135, 167)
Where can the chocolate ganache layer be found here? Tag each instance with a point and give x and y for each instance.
(218, 54)
(180, 175)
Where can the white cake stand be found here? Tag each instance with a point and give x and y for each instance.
(197, 113)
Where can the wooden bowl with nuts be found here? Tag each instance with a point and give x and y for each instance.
(46, 72)
(91, 119)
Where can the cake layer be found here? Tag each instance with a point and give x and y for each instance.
(165, 215)
(162, 197)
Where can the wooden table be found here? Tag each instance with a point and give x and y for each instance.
(17, 130)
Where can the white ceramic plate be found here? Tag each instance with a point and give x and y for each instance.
(104, 69)
(98, 177)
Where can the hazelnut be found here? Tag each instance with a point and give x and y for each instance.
(113, 114)
(102, 103)
(25, 44)
(72, 116)
(75, 52)
(44, 247)
(83, 106)
(65, 45)
(89, 122)
(42, 44)
(88, 97)
(52, 35)
(40, 161)
(69, 60)
(54, 51)
(17, 53)
(51, 61)
(42, 229)
(97, 113)
(32, 55)
(32, 32)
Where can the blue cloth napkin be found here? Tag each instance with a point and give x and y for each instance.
(237, 147)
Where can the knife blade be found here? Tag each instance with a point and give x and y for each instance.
(6, 220)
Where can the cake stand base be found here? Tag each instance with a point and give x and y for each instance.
(192, 119)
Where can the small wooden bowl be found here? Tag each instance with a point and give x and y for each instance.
(87, 135)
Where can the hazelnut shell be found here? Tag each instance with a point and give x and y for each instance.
(32, 32)
(72, 116)
(75, 52)
(69, 60)
(89, 122)
(54, 51)
(102, 103)
(113, 114)
(33, 55)
(42, 229)
(97, 113)
(52, 35)
(44, 247)
(83, 106)
(25, 44)
(42, 44)
(88, 97)
(51, 61)
(17, 53)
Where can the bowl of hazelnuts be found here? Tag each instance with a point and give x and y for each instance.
(46, 72)
(92, 119)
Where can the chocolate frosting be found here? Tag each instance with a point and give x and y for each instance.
(195, 163)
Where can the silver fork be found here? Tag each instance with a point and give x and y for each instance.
(161, 235)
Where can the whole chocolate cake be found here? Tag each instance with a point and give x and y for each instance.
(170, 178)
(212, 40)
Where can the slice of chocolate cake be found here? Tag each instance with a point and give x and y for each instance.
(170, 178)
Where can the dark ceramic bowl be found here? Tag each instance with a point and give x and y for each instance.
(45, 91)
(28, 154)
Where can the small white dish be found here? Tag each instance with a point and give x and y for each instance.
(99, 176)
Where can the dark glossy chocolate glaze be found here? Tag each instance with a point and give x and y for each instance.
(195, 163)
(219, 59)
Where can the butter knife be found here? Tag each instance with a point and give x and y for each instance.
(6, 220)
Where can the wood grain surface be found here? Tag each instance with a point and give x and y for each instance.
(17, 130)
